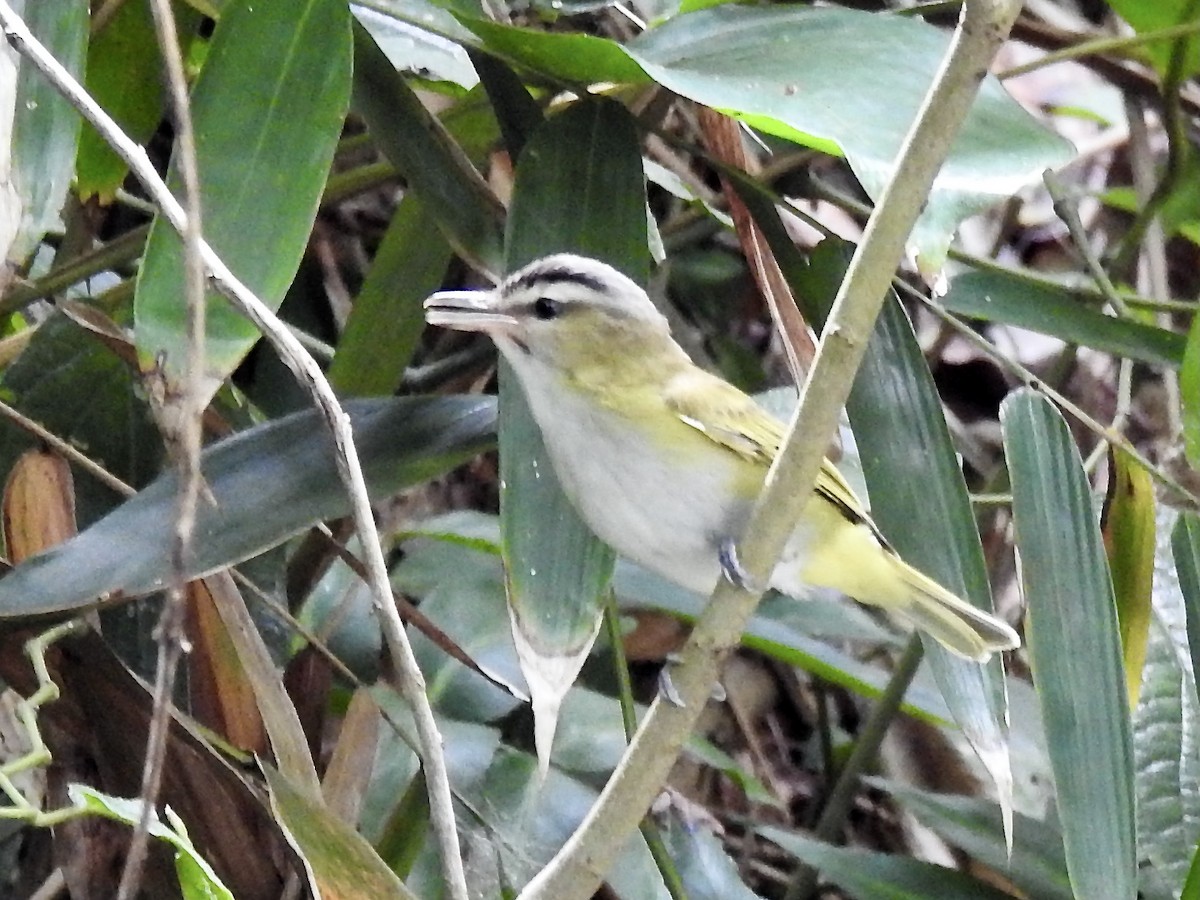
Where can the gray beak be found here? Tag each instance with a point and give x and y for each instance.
(467, 311)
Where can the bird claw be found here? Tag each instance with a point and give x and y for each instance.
(667, 689)
(670, 693)
(731, 567)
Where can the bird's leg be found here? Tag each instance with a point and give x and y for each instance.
(731, 566)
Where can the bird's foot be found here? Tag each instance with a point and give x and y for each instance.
(666, 687)
(670, 693)
(731, 567)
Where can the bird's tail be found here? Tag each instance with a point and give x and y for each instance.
(957, 625)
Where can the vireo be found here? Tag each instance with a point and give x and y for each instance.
(664, 460)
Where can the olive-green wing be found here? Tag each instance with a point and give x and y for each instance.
(732, 419)
(725, 415)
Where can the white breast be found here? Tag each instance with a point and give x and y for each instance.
(653, 508)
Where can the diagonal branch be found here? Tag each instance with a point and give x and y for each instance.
(580, 866)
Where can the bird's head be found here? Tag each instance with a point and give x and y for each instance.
(567, 312)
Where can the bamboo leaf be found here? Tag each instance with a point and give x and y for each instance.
(1075, 647)
(268, 109)
(267, 484)
(1129, 542)
(579, 188)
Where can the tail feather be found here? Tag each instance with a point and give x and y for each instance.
(957, 625)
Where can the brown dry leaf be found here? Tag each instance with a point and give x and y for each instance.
(221, 695)
(38, 504)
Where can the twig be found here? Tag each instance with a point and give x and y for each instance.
(1067, 209)
(1175, 126)
(180, 419)
(1101, 46)
(72, 453)
(866, 748)
(412, 682)
(1029, 379)
(579, 867)
(1153, 277)
(123, 249)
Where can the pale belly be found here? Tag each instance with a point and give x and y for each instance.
(668, 511)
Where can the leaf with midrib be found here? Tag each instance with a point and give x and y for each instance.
(266, 484)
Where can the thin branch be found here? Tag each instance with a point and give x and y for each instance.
(122, 249)
(581, 865)
(866, 748)
(1113, 46)
(180, 418)
(1153, 276)
(412, 682)
(1175, 125)
(72, 453)
(1066, 207)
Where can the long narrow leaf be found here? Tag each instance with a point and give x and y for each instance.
(996, 297)
(881, 876)
(415, 142)
(1075, 645)
(266, 484)
(579, 188)
(268, 110)
(911, 470)
(43, 130)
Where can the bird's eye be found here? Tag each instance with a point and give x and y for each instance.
(545, 308)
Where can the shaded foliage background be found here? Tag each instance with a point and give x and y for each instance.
(356, 158)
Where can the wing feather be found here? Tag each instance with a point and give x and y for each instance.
(731, 418)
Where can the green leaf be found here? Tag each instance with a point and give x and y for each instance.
(70, 383)
(462, 592)
(124, 75)
(994, 297)
(527, 819)
(197, 880)
(1166, 722)
(1129, 542)
(268, 111)
(1151, 15)
(1185, 548)
(880, 876)
(850, 82)
(579, 188)
(707, 870)
(266, 484)
(911, 469)
(1189, 393)
(576, 57)
(419, 50)
(43, 129)
(1191, 887)
(702, 750)
(387, 320)
(339, 861)
(435, 167)
(1075, 647)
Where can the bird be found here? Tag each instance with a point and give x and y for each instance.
(664, 460)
